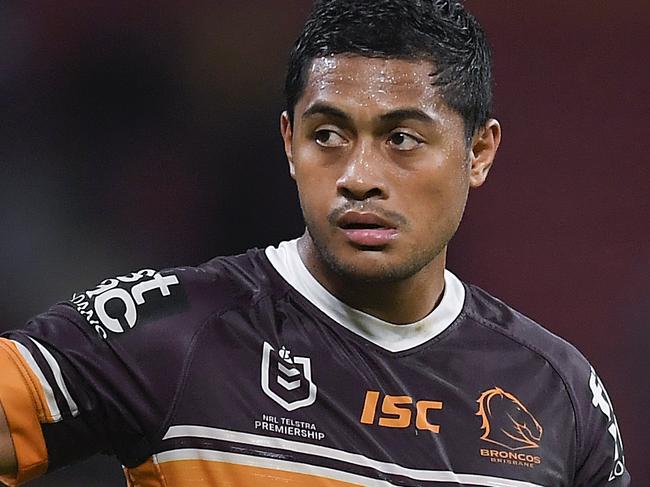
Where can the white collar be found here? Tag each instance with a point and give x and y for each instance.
(395, 338)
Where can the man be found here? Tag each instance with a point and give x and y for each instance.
(350, 356)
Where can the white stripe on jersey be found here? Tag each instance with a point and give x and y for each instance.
(324, 452)
(47, 389)
(58, 376)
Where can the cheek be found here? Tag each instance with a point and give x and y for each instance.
(315, 174)
(314, 190)
(439, 200)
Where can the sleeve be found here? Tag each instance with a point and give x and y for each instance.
(601, 460)
(97, 373)
(24, 406)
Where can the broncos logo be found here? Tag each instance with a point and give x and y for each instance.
(506, 421)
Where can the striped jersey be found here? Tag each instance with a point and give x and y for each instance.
(245, 371)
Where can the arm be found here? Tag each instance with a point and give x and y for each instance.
(602, 460)
(7, 454)
(73, 382)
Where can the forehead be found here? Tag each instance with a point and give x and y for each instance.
(371, 82)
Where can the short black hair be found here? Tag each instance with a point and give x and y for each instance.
(440, 31)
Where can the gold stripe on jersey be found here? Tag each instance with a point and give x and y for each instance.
(147, 474)
(24, 404)
(215, 468)
(200, 472)
(46, 406)
(193, 467)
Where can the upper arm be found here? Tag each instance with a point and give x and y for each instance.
(601, 461)
(98, 373)
(7, 453)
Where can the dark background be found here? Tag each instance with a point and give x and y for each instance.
(145, 135)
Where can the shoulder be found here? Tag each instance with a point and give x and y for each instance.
(497, 316)
(544, 348)
(179, 298)
(600, 449)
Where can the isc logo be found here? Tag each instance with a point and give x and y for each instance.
(397, 412)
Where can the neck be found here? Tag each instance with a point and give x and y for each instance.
(399, 302)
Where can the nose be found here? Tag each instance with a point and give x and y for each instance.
(362, 177)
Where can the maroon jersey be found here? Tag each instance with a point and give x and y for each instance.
(245, 371)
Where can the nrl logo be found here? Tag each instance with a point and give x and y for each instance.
(287, 379)
(506, 421)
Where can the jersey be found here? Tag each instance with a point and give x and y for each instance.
(246, 371)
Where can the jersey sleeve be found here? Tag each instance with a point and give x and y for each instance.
(97, 373)
(601, 460)
(24, 409)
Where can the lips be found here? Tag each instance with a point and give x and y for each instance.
(366, 229)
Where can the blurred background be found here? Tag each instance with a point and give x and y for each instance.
(137, 134)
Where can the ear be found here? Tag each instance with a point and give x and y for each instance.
(286, 130)
(484, 147)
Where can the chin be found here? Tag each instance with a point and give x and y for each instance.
(391, 264)
(372, 266)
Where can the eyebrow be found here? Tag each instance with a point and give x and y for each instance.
(393, 116)
(325, 109)
(407, 114)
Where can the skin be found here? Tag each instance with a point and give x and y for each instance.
(373, 135)
(7, 455)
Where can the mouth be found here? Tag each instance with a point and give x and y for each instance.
(367, 230)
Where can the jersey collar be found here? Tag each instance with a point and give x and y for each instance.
(395, 338)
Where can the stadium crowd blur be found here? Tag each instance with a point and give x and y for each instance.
(144, 134)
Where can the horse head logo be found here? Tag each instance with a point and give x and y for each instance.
(506, 421)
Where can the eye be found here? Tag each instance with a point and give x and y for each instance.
(403, 141)
(328, 138)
